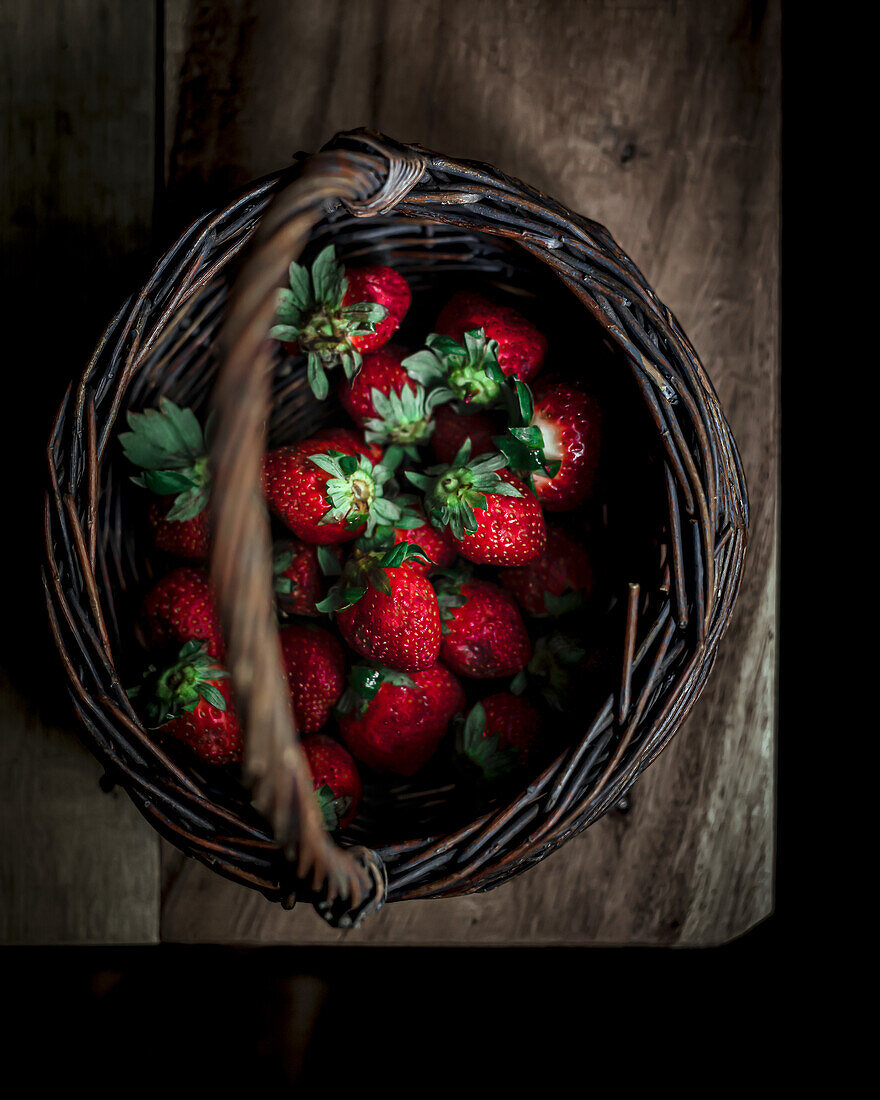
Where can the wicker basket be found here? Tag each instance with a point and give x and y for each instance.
(196, 332)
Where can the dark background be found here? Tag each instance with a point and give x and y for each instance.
(218, 1009)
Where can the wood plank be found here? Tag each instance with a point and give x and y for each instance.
(662, 121)
(76, 206)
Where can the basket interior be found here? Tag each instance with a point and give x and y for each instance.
(624, 526)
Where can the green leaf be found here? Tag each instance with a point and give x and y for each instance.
(379, 580)
(286, 333)
(519, 682)
(328, 462)
(475, 726)
(328, 562)
(166, 482)
(395, 556)
(212, 696)
(187, 505)
(410, 522)
(339, 598)
(366, 316)
(317, 377)
(301, 297)
(421, 481)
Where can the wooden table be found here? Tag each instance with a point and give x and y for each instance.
(662, 121)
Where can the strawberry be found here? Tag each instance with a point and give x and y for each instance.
(522, 347)
(438, 547)
(483, 632)
(190, 700)
(491, 516)
(570, 423)
(560, 581)
(338, 786)
(332, 316)
(187, 538)
(392, 409)
(388, 289)
(394, 722)
(169, 446)
(439, 550)
(452, 428)
(315, 667)
(180, 608)
(380, 370)
(386, 611)
(499, 735)
(299, 569)
(326, 490)
(552, 439)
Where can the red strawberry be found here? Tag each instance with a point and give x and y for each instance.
(437, 546)
(521, 346)
(338, 786)
(393, 410)
(452, 428)
(188, 538)
(191, 700)
(499, 734)
(380, 370)
(326, 490)
(439, 550)
(386, 611)
(213, 734)
(570, 423)
(299, 578)
(168, 445)
(315, 666)
(483, 632)
(491, 516)
(560, 581)
(387, 288)
(332, 316)
(180, 608)
(395, 722)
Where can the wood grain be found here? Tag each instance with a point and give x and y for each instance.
(662, 121)
(76, 207)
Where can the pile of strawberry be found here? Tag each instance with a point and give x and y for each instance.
(416, 543)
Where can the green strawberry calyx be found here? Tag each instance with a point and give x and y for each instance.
(310, 313)
(453, 492)
(457, 372)
(364, 682)
(168, 692)
(383, 536)
(554, 657)
(368, 568)
(356, 491)
(169, 446)
(283, 555)
(483, 755)
(333, 807)
(402, 423)
(522, 442)
(448, 585)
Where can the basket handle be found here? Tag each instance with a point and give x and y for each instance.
(369, 174)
